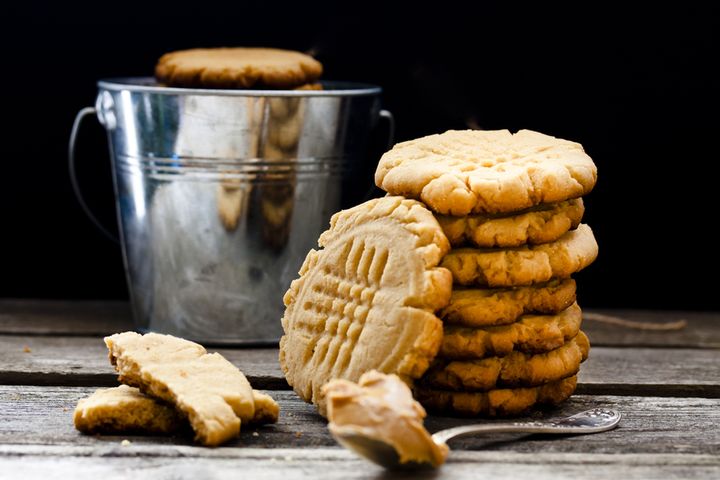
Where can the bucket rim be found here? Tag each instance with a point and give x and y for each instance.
(150, 85)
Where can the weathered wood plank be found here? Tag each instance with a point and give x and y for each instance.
(62, 317)
(43, 415)
(42, 360)
(651, 371)
(288, 464)
(45, 317)
(702, 330)
(623, 371)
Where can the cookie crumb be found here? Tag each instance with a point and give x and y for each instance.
(126, 443)
(255, 434)
(26, 349)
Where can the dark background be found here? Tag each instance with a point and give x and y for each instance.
(637, 86)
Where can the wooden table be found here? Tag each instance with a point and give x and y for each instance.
(666, 384)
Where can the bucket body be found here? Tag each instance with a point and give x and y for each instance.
(221, 194)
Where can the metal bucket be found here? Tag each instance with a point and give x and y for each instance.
(221, 193)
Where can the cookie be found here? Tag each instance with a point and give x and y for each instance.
(495, 403)
(517, 369)
(206, 388)
(267, 409)
(125, 409)
(542, 224)
(472, 171)
(365, 301)
(483, 307)
(530, 334)
(523, 265)
(238, 68)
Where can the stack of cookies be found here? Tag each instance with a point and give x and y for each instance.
(510, 206)
(459, 281)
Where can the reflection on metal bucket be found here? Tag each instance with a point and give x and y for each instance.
(222, 193)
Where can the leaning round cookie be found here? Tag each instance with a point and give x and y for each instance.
(523, 265)
(517, 369)
(531, 334)
(237, 68)
(496, 403)
(366, 300)
(541, 224)
(473, 171)
(485, 307)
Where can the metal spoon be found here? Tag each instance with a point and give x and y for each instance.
(377, 451)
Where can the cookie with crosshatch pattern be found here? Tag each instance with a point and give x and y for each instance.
(366, 299)
(474, 171)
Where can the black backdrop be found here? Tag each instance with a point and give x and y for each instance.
(636, 86)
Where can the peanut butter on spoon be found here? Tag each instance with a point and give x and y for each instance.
(381, 409)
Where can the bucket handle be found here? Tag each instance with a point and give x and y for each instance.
(390, 119)
(388, 116)
(87, 111)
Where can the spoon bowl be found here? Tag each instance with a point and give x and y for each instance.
(382, 453)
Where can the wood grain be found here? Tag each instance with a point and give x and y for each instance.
(651, 371)
(666, 384)
(140, 462)
(43, 415)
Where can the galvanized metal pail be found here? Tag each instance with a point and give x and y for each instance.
(221, 193)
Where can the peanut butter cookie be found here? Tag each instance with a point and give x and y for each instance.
(484, 307)
(531, 334)
(474, 171)
(523, 265)
(542, 224)
(517, 369)
(210, 391)
(496, 403)
(365, 301)
(238, 68)
(125, 409)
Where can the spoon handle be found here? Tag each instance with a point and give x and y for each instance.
(590, 421)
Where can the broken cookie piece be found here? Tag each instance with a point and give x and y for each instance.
(124, 409)
(266, 409)
(206, 388)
